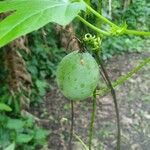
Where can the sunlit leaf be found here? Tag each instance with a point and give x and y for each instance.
(15, 124)
(10, 147)
(23, 138)
(5, 107)
(29, 15)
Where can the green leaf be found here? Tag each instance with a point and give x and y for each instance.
(10, 147)
(15, 124)
(41, 86)
(29, 15)
(23, 138)
(41, 134)
(4, 136)
(5, 107)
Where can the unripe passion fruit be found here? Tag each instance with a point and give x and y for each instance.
(77, 75)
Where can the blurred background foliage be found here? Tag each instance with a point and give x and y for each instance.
(42, 61)
(44, 53)
(136, 14)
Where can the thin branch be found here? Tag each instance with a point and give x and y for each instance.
(134, 32)
(72, 125)
(124, 78)
(92, 119)
(109, 84)
(80, 140)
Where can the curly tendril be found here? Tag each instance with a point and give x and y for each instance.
(93, 41)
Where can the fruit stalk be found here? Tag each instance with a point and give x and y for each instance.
(71, 128)
(92, 119)
(110, 86)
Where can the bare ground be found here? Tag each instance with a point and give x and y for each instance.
(134, 105)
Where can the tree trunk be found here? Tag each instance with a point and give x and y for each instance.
(18, 78)
(67, 38)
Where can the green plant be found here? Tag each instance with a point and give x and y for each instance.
(63, 12)
(138, 15)
(114, 45)
(21, 133)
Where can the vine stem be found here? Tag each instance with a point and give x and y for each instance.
(105, 20)
(100, 16)
(142, 33)
(109, 84)
(72, 125)
(92, 26)
(126, 31)
(80, 140)
(123, 78)
(92, 119)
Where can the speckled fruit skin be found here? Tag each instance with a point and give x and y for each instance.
(77, 75)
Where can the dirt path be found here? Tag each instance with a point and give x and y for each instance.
(134, 105)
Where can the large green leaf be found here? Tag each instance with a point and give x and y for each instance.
(29, 15)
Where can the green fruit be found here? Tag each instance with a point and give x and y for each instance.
(77, 75)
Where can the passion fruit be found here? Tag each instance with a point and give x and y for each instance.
(77, 75)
